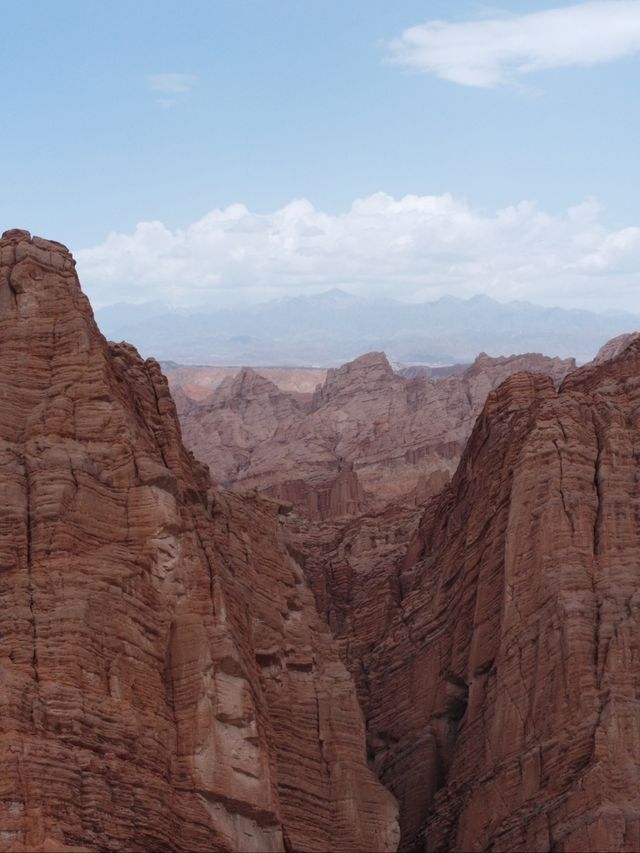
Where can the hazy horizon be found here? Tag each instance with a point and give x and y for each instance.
(212, 306)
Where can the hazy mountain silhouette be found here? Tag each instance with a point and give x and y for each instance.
(335, 326)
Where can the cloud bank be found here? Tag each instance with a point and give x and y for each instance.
(415, 248)
(494, 51)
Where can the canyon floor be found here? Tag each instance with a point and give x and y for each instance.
(359, 609)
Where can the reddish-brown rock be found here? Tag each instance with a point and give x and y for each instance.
(498, 660)
(497, 655)
(614, 347)
(165, 681)
(198, 383)
(369, 438)
(356, 464)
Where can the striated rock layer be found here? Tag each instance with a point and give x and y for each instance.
(498, 660)
(369, 438)
(357, 463)
(166, 683)
(198, 383)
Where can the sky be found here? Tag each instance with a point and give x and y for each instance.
(223, 150)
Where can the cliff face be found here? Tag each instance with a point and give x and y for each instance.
(357, 463)
(165, 681)
(498, 660)
(369, 439)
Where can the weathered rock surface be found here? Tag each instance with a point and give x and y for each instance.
(198, 383)
(497, 656)
(166, 683)
(414, 370)
(356, 463)
(498, 659)
(368, 439)
(615, 347)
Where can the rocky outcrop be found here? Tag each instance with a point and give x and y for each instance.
(369, 438)
(198, 383)
(166, 683)
(615, 347)
(497, 658)
(415, 370)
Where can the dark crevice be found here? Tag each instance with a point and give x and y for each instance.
(210, 568)
(30, 590)
(325, 764)
(597, 485)
(568, 515)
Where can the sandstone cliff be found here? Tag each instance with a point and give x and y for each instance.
(166, 683)
(498, 658)
(368, 439)
(357, 463)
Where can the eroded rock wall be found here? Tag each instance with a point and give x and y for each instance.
(166, 683)
(502, 691)
(369, 439)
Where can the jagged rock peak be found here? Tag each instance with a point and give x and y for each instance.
(368, 369)
(369, 359)
(248, 380)
(615, 347)
(534, 361)
(17, 244)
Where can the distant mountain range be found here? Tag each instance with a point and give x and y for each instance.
(334, 327)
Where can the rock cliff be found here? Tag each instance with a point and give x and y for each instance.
(368, 439)
(498, 657)
(166, 683)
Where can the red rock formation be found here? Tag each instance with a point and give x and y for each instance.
(369, 438)
(614, 347)
(498, 661)
(166, 683)
(197, 383)
(356, 464)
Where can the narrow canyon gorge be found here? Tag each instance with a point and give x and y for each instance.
(384, 610)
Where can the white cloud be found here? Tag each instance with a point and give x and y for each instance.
(493, 51)
(414, 248)
(170, 87)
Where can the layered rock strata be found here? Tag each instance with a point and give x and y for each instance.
(166, 683)
(198, 383)
(357, 463)
(368, 439)
(498, 659)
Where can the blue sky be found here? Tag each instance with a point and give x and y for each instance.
(121, 113)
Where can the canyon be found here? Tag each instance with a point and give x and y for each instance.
(366, 438)
(394, 610)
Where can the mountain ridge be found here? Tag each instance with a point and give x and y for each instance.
(325, 331)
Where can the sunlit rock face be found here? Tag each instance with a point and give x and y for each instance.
(166, 683)
(501, 690)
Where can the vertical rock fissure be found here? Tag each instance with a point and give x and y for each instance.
(209, 565)
(171, 693)
(561, 488)
(30, 592)
(325, 765)
(597, 485)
